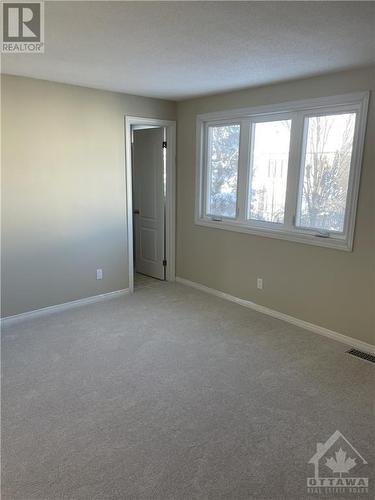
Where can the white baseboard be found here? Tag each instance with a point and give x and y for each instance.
(62, 307)
(350, 341)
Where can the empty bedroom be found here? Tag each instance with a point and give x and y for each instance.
(187, 250)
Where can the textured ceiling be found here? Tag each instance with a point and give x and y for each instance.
(178, 50)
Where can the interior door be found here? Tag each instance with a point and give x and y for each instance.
(148, 201)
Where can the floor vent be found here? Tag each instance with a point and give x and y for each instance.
(362, 355)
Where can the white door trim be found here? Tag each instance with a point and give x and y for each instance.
(170, 197)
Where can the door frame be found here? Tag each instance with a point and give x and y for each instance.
(170, 204)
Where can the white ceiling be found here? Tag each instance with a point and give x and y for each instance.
(178, 50)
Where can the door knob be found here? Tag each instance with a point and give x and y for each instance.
(136, 211)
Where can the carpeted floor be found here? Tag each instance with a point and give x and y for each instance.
(143, 281)
(174, 394)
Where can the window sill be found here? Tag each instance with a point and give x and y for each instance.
(293, 236)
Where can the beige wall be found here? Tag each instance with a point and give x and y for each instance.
(331, 288)
(63, 185)
(63, 207)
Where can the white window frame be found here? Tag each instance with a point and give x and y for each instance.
(298, 112)
(253, 121)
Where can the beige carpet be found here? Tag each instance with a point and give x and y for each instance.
(174, 394)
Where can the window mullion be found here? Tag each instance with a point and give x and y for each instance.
(243, 170)
(207, 162)
(294, 168)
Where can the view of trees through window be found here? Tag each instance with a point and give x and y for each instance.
(223, 152)
(326, 172)
(287, 171)
(269, 170)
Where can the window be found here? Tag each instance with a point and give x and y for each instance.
(269, 170)
(223, 151)
(288, 171)
(326, 168)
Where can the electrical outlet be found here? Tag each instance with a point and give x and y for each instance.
(99, 274)
(260, 283)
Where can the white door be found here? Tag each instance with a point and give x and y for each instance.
(148, 202)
